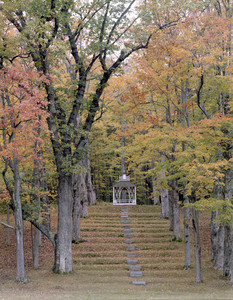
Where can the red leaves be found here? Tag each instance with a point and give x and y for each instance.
(21, 110)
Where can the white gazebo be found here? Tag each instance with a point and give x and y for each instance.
(124, 192)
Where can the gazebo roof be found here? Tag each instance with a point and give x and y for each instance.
(124, 184)
(124, 181)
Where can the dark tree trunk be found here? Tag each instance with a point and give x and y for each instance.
(63, 240)
(197, 246)
(228, 244)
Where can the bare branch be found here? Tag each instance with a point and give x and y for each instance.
(7, 225)
(199, 97)
(119, 20)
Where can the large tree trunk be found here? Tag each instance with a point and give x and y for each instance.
(227, 228)
(21, 274)
(231, 257)
(197, 246)
(219, 259)
(63, 240)
(217, 242)
(228, 244)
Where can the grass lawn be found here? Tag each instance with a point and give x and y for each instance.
(100, 262)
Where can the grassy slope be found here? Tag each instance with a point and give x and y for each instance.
(100, 269)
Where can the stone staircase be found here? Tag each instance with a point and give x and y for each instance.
(134, 267)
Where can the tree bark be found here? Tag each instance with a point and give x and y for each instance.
(214, 236)
(220, 249)
(91, 193)
(187, 263)
(63, 239)
(154, 190)
(21, 274)
(35, 237)
(228, 244)
(231, 256)
(197, 246)
(8, 229)
(175, 218)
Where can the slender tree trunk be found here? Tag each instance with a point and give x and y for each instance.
(197, 246)
(91, 193)
(35, 246)
(171, 210)
(8, 229)
(63, 239)
(21, 274)
(214, 236)
(78, 191)
(165, 210)
(217, 234)
(175, 210)
(154, 190)
(187, 263)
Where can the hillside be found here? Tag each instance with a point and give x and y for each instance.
(100, 262)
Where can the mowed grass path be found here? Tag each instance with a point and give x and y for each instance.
(101, 271)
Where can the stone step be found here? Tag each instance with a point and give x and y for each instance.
(128, 236)
(128, 241)
(132, 262)
(135, 274)
(126, 226)
(134, 268)
(139, 282)
(127, 231)
(131, 254)
(124, 221)
(130, 248)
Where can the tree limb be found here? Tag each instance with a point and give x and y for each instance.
(199, 97)
(7, 225)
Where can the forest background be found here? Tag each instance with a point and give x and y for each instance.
(89, 89)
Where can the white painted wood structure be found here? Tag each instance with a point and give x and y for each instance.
(124, 192)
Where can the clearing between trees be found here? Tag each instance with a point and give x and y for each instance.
(100, 262)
